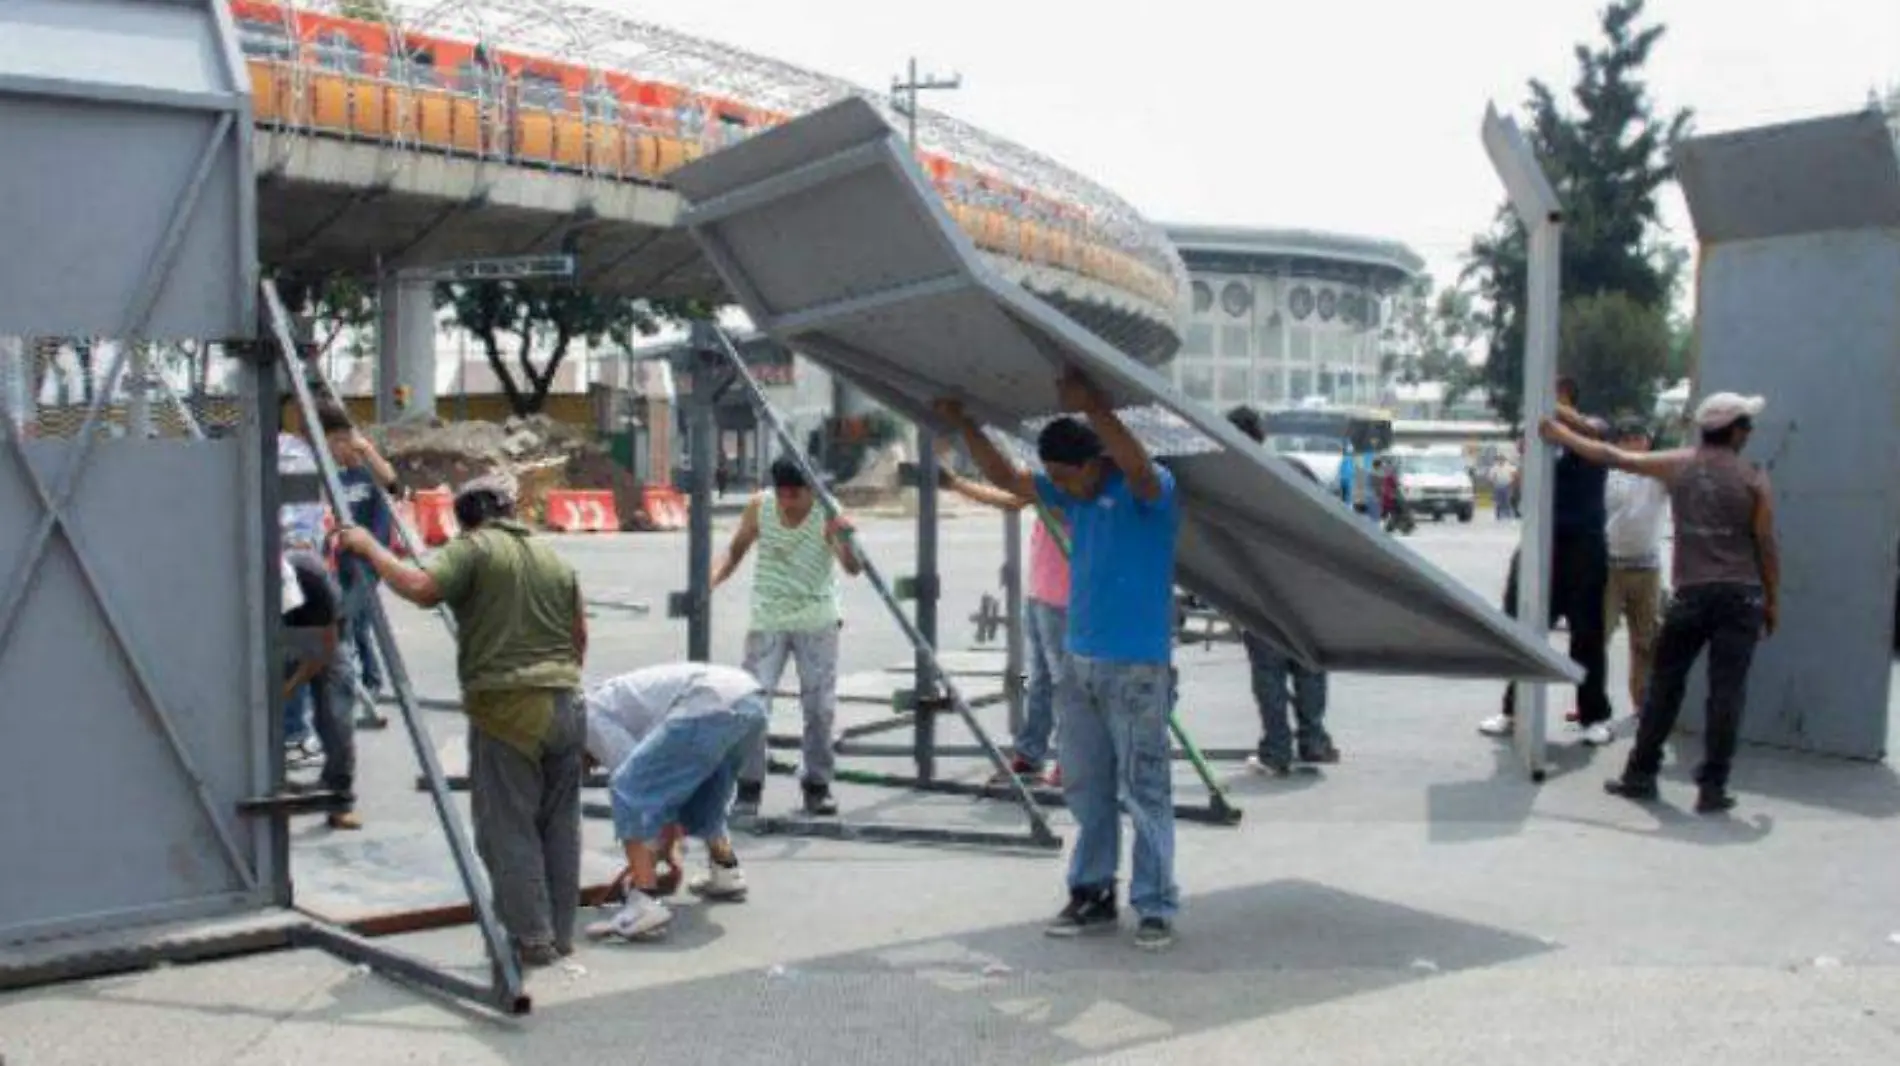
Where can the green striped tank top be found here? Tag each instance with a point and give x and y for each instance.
(794, 587)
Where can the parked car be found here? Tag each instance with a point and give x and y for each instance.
(1436, 482)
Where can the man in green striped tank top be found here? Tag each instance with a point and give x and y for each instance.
(795, 616)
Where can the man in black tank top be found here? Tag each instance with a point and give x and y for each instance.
(1579, 574)
(1727, 577)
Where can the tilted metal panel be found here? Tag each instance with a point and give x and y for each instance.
(126, 199)
(1834, 173)
(838, 247)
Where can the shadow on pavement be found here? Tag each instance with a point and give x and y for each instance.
(1012, 995)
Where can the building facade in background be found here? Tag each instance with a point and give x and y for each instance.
(1280, 317)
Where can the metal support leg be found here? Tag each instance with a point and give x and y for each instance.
(701, 427)
(1014, 682)
(925, 721)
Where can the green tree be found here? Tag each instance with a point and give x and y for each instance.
(338, 305)
(515, 319)
(1607, 161)
(1616, 349)
(1432, 337)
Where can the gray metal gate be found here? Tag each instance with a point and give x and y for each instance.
(125, 207)
(1799, 300)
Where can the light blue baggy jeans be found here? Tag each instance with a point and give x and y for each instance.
(1115, 756)
(685, 771)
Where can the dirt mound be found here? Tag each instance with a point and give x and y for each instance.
(541, 453)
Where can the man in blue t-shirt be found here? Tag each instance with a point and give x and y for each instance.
(361, 469)
(1112, 707)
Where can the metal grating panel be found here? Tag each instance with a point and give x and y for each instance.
(909, 311)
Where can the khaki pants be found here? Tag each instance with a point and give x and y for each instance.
(1635, 596)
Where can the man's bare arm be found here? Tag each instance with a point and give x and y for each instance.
(411, 582)
(1121, 445)
(742, 541)
(987, 495)
(1663, 466)
(1767, 554)
(1578, 422)
(1002, 473)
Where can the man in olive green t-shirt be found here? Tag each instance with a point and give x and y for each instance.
(520, 634)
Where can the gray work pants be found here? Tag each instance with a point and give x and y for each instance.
(527, 816)
(815, 652)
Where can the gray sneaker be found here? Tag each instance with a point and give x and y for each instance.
(1153, 934)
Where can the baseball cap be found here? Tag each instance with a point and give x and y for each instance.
(1717, 411)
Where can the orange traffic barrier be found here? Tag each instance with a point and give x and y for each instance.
(434, 511)
(582, 511)
(665, 507)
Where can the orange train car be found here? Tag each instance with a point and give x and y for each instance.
(355, 77)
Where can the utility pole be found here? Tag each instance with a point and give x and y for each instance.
(904, 100)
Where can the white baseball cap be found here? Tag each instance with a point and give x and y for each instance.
(1719, 410)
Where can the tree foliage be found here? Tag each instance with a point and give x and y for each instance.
(1616, 349)
(1432, 337)
(338, 305)
(527, 328)
(1607, 161)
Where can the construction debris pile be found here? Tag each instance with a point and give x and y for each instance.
(541, 453)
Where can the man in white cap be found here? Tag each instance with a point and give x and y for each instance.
(673, 739)
(520, 635)
(1727, 579)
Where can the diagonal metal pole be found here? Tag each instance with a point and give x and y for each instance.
(1039, 826)
(501, 957)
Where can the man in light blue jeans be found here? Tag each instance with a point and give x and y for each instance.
(675, 737)
(1112, 707)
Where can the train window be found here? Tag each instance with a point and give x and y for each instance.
(418, 67)
(601, 106)
(266, 40)
(339, 51)
(539, 90)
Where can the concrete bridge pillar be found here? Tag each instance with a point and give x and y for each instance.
(405, 348)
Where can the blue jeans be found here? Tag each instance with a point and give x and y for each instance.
(1272, 670)
(297, 715)
(1115, 756)
(684, 771)
(364, 639)
(1048, 628)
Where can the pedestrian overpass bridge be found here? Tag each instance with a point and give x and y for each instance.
(391, 134)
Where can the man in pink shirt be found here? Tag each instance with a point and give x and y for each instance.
(1045, 619)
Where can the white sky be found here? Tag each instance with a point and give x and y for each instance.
(1359, 116)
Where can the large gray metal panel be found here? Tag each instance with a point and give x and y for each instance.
(1836, 173)
(839, 248)
(1813, 323)
(105, 828)
(126, 198)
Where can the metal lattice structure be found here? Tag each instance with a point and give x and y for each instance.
(1066, 236)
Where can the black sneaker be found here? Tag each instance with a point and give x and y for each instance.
(746, 803)
(1153, 934)
(1628, 789)
(1713, 801)
(1320, 753)
(1087, 912)
(818, 800)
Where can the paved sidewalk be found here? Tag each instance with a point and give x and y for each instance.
(1418, 903)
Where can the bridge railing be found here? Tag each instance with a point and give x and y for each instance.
(600, 136)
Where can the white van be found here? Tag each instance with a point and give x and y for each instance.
(1436, 481)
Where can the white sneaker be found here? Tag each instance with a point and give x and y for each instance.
(1498, 725)
(640, 917)
(1598, 735)
(724, 883)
